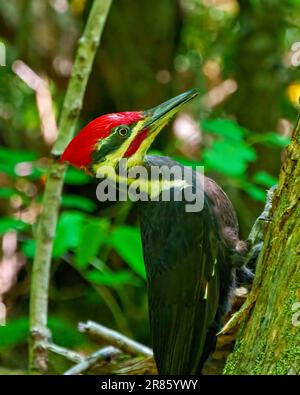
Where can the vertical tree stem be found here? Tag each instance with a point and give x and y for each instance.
(86, 51)
(268, 341)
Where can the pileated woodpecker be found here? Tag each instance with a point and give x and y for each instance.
(190, 257)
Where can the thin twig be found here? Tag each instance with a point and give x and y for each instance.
(109, 336)
(87, 48)
(135, 366)
(65, 352)
(104, 354)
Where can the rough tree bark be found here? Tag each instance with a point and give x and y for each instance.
(269, 337)
(87, 48)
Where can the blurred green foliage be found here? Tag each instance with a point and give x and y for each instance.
(150, 51)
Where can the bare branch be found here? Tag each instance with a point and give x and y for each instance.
(104, 354)
(109, 336)
(65, 352)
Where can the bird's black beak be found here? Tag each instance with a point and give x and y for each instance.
(158, 117)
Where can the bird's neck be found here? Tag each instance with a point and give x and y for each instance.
(147, 178)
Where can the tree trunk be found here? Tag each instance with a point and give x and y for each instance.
(269, 338)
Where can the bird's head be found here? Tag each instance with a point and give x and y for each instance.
(109, 138)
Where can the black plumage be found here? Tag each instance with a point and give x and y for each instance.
(190, 257)
(190, 260)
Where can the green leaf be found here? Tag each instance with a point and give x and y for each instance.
(111, 279)
(228, 158)
(224, 127)
(64, 333)
(8, 168)
(68, 232)
(265, 179)
(13, 156)
(126, 240)
(155, 152)
(92, 236)
(255, 192)
(76, 177)
(28, 248)
(37, 172)
(277, 139)
(188, 162)
(13, 333)
(7, 224)
(78, 202)
(16, 332)
(6, 192)
(10, 158)
(270, 139)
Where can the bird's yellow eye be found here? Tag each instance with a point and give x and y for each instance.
(123, 131)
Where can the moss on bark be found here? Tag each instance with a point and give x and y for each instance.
(269, 338)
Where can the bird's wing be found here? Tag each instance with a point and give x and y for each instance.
(182, 259)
